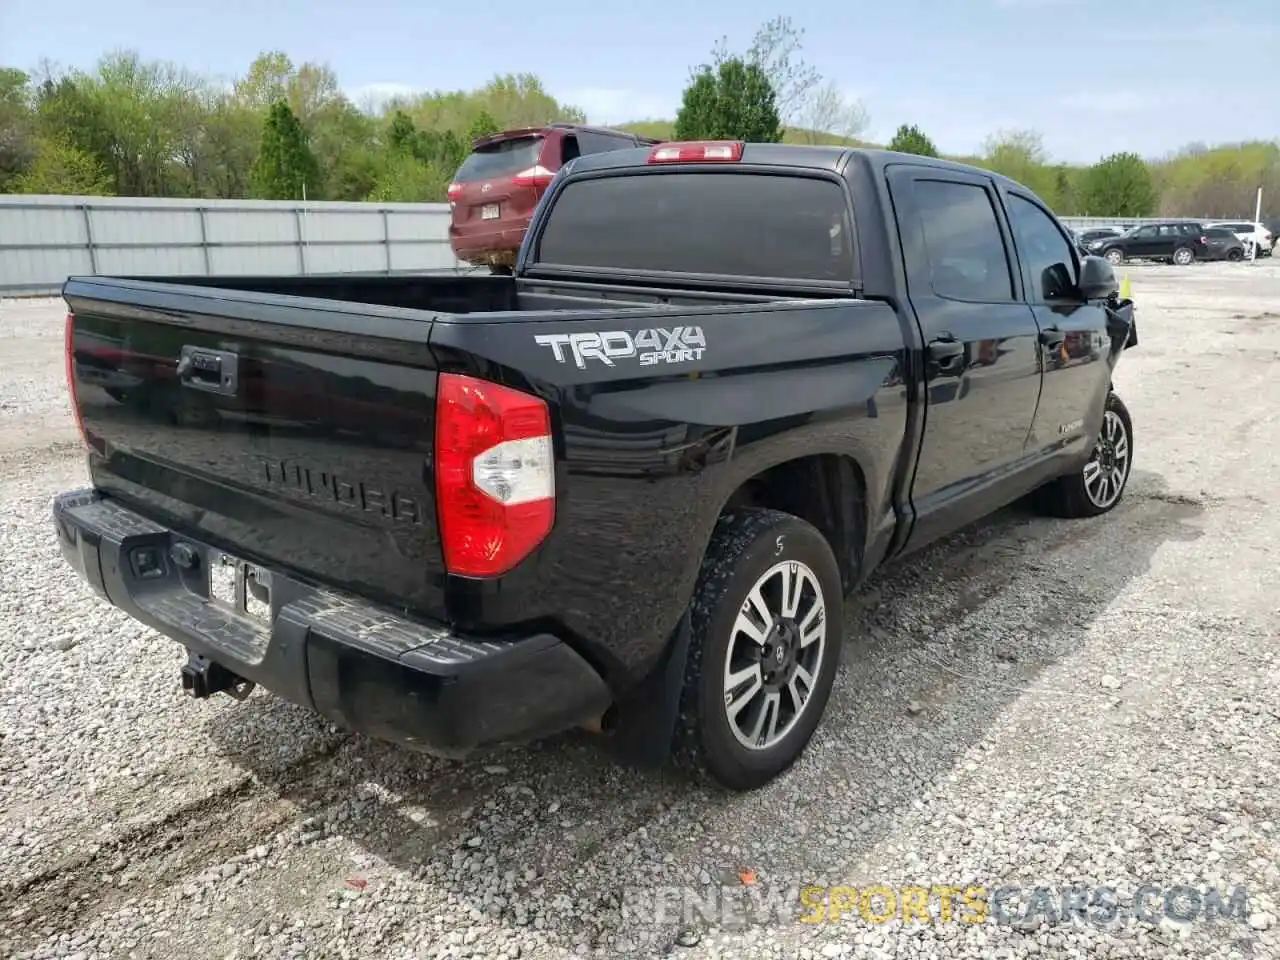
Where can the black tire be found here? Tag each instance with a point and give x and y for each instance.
(1235, 256)
(1114, 256)
(501, 271)
(1183, 257)
(745, 546)
(1071, 496)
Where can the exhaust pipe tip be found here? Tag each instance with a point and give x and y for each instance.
(605, 724)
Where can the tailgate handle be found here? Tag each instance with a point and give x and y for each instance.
(214, 371)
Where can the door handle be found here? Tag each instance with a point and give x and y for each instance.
(1052, 337)
(214, 371)
(947, 352)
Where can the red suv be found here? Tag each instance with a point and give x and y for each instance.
(496, 188)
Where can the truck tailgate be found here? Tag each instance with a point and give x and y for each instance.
(263, 424)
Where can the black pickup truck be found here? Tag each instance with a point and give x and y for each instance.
(625, 489)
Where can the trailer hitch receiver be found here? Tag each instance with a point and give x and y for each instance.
(202, 678)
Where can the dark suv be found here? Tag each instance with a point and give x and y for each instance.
(494, 192)
(1174, 241)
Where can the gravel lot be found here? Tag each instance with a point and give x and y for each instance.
(1032, 702)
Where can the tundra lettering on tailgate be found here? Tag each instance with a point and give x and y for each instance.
(652, 346)
(324, 485)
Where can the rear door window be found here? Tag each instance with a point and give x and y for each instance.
(739, 224)
(502, 159)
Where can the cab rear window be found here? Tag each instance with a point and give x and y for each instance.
(715, 223)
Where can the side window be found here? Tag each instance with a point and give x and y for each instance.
(967, 258)
(602, 143)
(1146, 233)
(569, 148)
(1045, 249)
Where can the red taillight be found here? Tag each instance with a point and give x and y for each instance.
(697, 151)
(538, 176)
(1204, 240)
(455, 191)
(69, 350)
(495, 475)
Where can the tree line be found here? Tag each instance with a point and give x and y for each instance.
(133, 127)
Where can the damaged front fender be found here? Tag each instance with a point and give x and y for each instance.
(1122, 328)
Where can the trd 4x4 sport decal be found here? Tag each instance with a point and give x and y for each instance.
(652, 346)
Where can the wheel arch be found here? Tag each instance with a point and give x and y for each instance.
(828, 490)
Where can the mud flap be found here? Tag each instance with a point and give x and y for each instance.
(647, 718)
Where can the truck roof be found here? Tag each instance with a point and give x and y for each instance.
(812, 157)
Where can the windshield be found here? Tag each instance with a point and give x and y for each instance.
(501, 159)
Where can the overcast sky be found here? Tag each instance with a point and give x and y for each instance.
(1093, 78)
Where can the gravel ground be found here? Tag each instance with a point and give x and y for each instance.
(1031, 703)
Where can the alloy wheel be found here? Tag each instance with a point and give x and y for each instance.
(774, 654)
(1108, 468)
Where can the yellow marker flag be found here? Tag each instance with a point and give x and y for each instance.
(1124, 288)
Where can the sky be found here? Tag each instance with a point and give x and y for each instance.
(1093, 78)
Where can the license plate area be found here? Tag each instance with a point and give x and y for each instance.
(489, 211)
(239, 587)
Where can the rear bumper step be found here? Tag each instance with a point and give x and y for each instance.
(361, 667)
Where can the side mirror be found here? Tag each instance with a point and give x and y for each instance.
(1097, 279)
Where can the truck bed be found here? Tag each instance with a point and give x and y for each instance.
(303, 436)
(444, 292)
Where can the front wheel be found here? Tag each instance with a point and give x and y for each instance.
(1098, 487)
(1114, 256)
(767, 629)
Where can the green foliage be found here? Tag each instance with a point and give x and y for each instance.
(665, 130)
(406, 179)
(285, 169)
(1219, 182)
(1020, 155)
(733, 101)
(61, 168)
(482, 126)
(158, 130)
(136, 127)
(909, 139)
(774, 50)
(17, 127)
(1121, 185)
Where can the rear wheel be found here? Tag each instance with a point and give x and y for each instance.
(1098, 487)
(767, 629)
(501, 271)
(1235, 255)
(1183, 256)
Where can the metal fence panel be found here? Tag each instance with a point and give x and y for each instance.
(45, 239)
